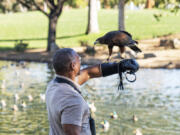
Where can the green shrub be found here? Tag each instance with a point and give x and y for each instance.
(20, 46)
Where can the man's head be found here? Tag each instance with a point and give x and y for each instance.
(66, 61)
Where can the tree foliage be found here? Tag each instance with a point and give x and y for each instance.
(77, 3)
(9, 6)
(167, 3)
(12, 5)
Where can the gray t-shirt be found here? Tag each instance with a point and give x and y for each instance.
(66, 106)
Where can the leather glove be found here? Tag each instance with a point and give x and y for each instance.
(128, 65)
(125, 65)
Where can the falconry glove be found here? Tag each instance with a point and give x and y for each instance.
(126, 65)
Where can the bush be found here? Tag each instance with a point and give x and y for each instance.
(20, 46)
(89, 49)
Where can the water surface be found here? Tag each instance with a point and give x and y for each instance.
(154, 99)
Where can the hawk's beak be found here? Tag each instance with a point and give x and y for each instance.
(96, 42)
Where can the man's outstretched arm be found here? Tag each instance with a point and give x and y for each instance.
(106, 69)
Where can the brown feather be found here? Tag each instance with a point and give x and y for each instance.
(122, 49)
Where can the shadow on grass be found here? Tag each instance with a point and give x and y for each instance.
(11, 48)
(7, 48)
(37, 39)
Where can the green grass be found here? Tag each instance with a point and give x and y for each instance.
(72, 25)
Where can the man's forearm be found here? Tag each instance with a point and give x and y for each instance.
(89, 72)
(94, 71)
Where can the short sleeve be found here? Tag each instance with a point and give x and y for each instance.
(72, 115)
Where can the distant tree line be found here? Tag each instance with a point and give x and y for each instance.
(15, 6)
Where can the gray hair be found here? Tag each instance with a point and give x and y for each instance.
(63, 58)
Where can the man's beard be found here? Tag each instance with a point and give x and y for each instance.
(79, 72)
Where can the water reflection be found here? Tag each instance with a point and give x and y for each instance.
(154, 99)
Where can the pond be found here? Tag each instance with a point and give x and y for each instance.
(150, 105)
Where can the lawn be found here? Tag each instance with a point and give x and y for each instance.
(72, 26)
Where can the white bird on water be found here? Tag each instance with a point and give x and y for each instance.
(16, 97)
(3, 103)
(42, 97)
(114, 115)
(23, 105)
(135, 119)
(15, 108)
(105, 125)
(92, 107)
(3, 85)
(30, 97)
(137, 132)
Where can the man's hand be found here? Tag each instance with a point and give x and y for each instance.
(71, 129)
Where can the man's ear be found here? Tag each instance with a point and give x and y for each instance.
(72, 66)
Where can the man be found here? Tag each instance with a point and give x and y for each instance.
(68, 113)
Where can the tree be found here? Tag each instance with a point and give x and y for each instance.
(54, 11)
(121, 21)
(92, 26)
(150, 4)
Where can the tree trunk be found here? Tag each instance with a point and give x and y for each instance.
(92, 17)
(121, 15)
(45, 7)
(106, 4)
(149, 4)
(52, 31)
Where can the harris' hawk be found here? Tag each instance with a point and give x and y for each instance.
(120, 39)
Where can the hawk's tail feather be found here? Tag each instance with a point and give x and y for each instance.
(132, 42)
(136, 41)
(135, 48)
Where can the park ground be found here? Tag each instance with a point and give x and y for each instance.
(31, 27)
(152, 56)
